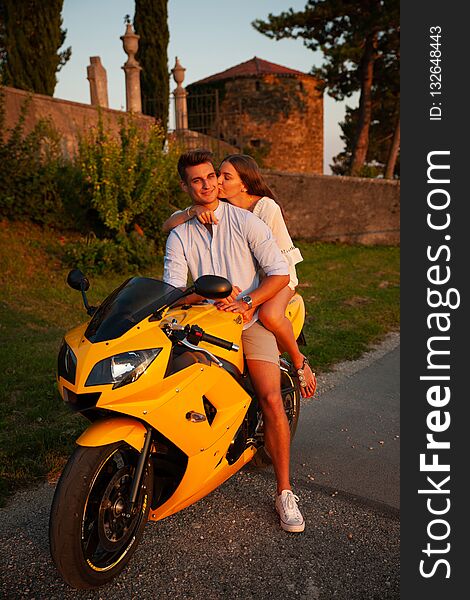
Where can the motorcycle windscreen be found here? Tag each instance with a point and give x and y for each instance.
(136, 299)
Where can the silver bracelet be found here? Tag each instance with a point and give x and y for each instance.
(188, 211)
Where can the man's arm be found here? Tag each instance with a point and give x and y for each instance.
(175, 269)
(269, 257)
(269, 287)
(191, 299)
(264, 247)
(175, 266)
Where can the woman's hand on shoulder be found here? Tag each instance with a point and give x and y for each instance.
(204, 215)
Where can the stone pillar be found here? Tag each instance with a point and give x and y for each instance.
(180, 94)
(132, 69)
(96, 75)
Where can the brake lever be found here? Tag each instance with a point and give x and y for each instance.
(179, 332)
(185, 342)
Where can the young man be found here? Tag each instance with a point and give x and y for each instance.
(235, 248)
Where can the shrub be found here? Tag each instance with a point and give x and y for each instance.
(127, 178)
(117, 191)
(129, 184)
(126, 254)
(29, 167)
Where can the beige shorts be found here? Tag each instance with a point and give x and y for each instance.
(260, 344)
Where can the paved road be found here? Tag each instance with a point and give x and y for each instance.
(229, 545)
(350, 440)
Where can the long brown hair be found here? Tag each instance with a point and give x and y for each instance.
(249, 173)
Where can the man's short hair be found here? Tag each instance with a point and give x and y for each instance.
(193, 158)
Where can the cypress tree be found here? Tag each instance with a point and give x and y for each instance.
(30, 38)
(151, 23)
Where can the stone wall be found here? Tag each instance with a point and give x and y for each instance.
(191, 140)
(345, 209)
(276, 119)
(318, 207)
(71, 119)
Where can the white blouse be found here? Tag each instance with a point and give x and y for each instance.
(269, 211)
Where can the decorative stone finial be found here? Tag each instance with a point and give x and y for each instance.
(180, 94)
(178, 72)
(132, 69)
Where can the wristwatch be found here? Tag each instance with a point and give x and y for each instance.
(248, 300)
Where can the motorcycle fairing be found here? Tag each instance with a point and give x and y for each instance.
(204, 473)
(163, 400)
(108, 431)
(295, 312)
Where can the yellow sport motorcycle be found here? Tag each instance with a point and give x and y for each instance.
(173, 415)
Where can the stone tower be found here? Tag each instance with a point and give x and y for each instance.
(269, 111)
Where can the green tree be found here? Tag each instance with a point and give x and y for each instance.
(353, 35)
(384, 133)
(30, 38)
(151, 23)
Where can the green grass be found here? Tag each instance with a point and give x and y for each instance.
(351, 295)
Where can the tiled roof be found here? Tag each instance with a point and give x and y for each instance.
(251, 68)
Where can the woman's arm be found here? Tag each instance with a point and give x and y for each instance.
(181, 216)
(203, 215)
(274, 219)
(278, 226)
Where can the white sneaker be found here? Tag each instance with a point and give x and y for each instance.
(289, 513)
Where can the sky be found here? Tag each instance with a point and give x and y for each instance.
(208, 36)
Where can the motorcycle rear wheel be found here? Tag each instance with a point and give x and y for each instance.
(291, 400)
(91, 536)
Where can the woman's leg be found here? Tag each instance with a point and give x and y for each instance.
(272, 316)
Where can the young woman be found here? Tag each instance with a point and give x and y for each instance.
(242, 184)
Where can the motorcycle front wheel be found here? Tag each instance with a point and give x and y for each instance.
(92, 536)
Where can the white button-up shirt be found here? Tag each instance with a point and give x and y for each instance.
(240, 244)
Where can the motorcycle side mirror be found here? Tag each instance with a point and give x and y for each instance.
(77, 280)
(208, 286)
(213, 287)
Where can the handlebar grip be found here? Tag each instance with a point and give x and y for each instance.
(212, 339)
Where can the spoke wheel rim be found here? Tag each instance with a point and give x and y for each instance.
(107, 531)
(114, 526)
(288, 399)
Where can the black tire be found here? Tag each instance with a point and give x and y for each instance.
(91, 537)
(292, 407)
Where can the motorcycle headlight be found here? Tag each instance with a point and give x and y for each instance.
(122, 369)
